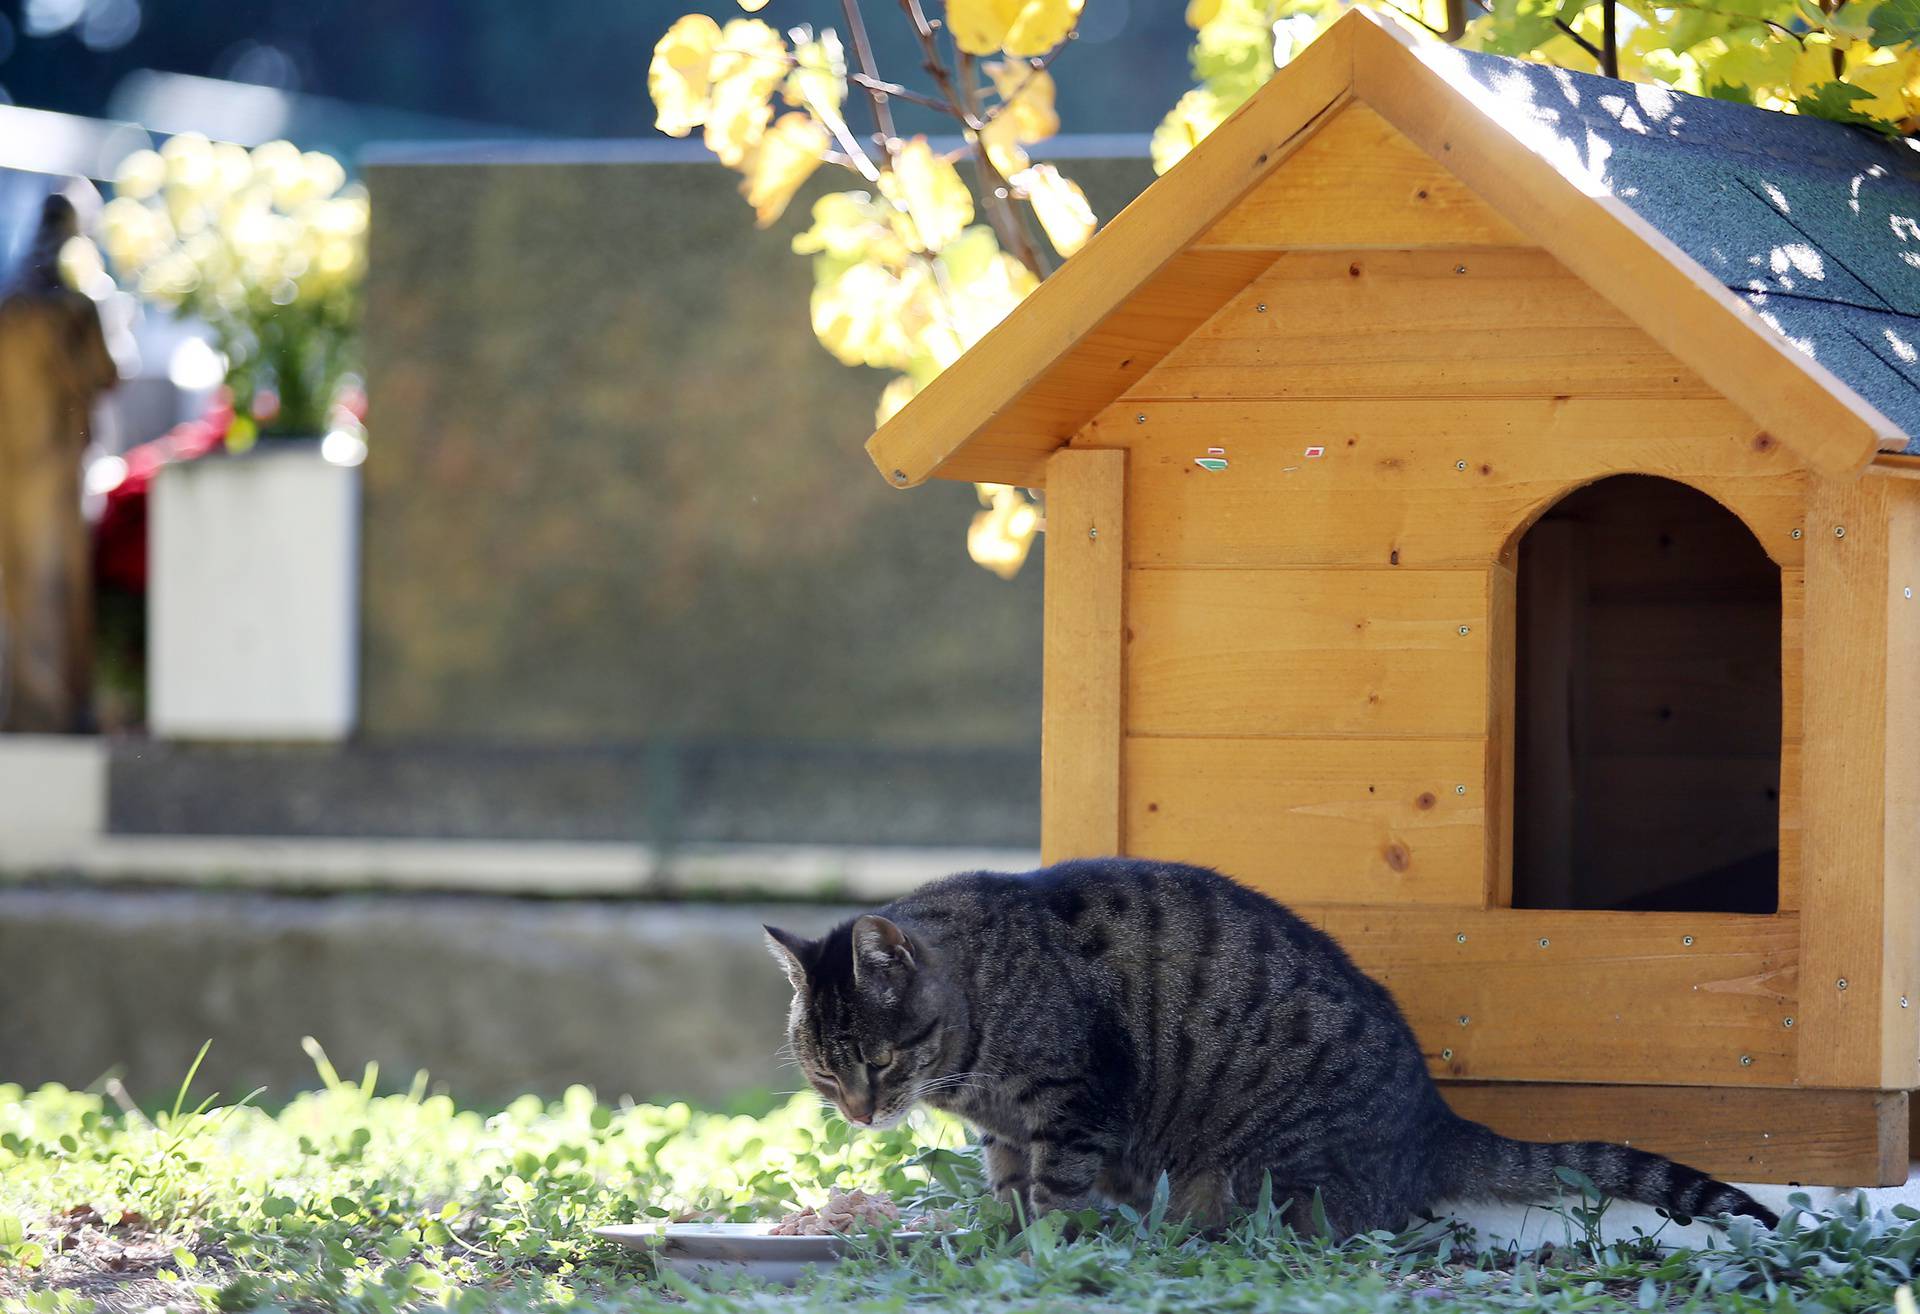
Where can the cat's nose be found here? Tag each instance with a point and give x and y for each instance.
(859, 1112)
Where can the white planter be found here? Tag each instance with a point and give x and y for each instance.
(253, 623)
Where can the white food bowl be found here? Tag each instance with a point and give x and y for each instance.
(701, 1251)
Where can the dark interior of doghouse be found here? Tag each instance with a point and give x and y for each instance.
(1647, 737)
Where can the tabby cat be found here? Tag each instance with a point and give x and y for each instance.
(1103, 1022)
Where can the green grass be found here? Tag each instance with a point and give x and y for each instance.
(348, 1199)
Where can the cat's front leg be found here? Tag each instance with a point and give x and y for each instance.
(1064, 1170)
(1007, 1168)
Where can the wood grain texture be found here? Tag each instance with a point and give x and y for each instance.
(1003, 393)
(1796, 1137)
(1013, 448)
(1555, 199)
(1609, 996)
(1316, 819)
(1418, 483)
(1359, 182)
(1446, 323)
(1900, 960)
(1081, 676)
(1844, 878)
(1306, 652)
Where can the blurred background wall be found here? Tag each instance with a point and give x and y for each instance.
(642, 632)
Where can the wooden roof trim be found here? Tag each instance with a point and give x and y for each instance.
(1406, 80)
(1161, 223)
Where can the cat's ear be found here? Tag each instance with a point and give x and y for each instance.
(792, 953)
(880, 950)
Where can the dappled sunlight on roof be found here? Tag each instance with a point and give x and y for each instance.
(1792, 213)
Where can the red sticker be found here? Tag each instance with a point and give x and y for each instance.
(1316, 451)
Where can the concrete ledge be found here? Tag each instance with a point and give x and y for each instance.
(599, 870)
(53, 790)
(494, 997)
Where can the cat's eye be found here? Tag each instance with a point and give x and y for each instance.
(880, 1058)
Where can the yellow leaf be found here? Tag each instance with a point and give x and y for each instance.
(1026, 113)
(819, 75)
(782, 159)
(1814, 67)
(852, 226)
(867, 314)
(897, 394)
(1020, 27)
(748, 64)
(679, 79)
(979, 284)
(1060, 206)
(1893, 76)
(930, 191)
(1001, 536)
(1042, 25)
(1202, 12)
(1192, 117)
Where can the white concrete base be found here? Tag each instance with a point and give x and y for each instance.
(53, 792)
(481, 866)
(253, 611)
(1530, 1227)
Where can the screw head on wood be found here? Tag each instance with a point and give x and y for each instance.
(1459, 269)
(1459, 465)
(1260, 309)
(1464, 1019)
(1459, 789)
(1841, 984)
(1093, 531)
(1686, 939)
(1446, 1054)
(899, 476)
(1141, 418)
(1461, 938)
(1746, 1060)
(1903, 1001)
(1544, 942)
(1465, 630)
(1839, 531)
(1795, 534)
(1786, 1022)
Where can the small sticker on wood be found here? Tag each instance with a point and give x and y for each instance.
(1316, 451)
(1212, 463)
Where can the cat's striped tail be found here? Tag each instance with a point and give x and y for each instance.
(1474, 1162)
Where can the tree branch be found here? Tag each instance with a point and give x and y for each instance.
(894, 90)
(863, 52)
(1609, 38)
(1035, 67)
(1581, 41)
(996, 194)
(995, 183)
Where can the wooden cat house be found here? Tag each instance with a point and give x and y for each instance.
(1479, 513)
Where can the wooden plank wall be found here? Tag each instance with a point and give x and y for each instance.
(1080, 729)
(1318, 638)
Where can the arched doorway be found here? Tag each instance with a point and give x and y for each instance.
(1647, 728)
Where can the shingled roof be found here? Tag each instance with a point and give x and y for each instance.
(1777, 256)
(1814, 224)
